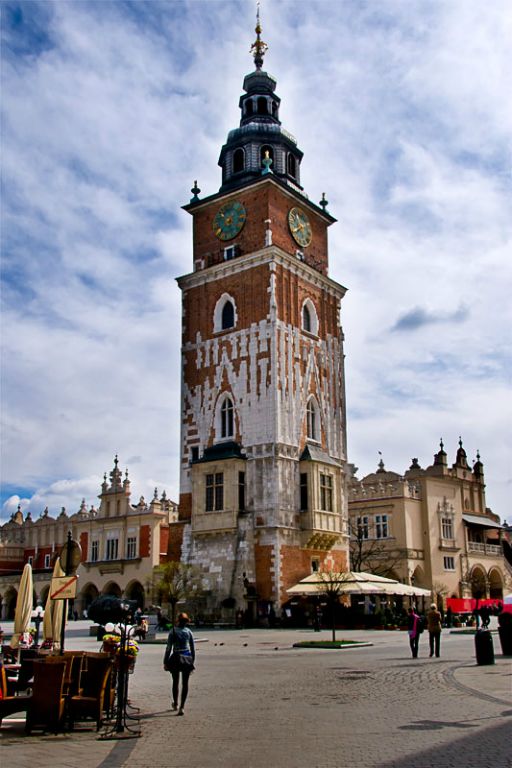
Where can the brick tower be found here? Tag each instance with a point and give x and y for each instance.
(263, 446)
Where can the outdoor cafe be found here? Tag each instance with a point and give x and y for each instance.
(59, 689)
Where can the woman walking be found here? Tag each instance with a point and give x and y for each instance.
(413, 627)
(179, 659)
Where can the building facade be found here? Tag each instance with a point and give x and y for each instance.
(121, 545)
(263, 432)
(430, 528)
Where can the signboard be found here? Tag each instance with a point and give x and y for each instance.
(63, 587)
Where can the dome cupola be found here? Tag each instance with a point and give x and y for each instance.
(260, 145)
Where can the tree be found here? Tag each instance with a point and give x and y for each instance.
(371, 554)
(332, 586)
(177, 582)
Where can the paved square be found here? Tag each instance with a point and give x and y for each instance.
(256, 702)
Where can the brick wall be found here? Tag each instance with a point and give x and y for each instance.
(265, 201)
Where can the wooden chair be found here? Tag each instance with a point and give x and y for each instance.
(46, 708)
(10, 704)
(90, 701)
(72, 683)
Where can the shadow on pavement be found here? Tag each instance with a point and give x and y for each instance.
(487, 747)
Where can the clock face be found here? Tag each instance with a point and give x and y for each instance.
(300, 226)
(229, 220)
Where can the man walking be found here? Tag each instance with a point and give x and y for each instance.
(434, 630)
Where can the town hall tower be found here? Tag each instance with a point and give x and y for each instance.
(263, 432)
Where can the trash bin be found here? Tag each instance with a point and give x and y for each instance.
(484, 647)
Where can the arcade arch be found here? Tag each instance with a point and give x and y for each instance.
(135, 591)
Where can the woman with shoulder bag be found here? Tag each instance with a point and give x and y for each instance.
(179, 658)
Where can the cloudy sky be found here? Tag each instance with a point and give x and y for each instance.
(111, 110)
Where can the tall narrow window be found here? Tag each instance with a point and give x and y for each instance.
(249, 107)
(309, 317)
(131, 547)
(303, 492)
(447, 527)
(291, 165)
(362, 527)
(94, 551)
(312, 419)
(47, 561)
(326, 493)
(238, 160)
(226, 418)
(112, 551)
(228, 316)
(381, 526)
(306, 318)
(241, 491)
(214, 492)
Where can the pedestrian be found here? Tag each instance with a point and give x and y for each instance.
(434, 630)
(179, 659)
(413, 630)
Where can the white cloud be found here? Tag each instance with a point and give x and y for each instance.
(111, 112)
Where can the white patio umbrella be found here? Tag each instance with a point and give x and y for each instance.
(53, 611)
(24, 605)
(353, 583)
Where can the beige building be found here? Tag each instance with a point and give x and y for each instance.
(121, 545)
(430, 527)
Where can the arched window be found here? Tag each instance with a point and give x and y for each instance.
(238, 160)
(224, 316)
(312, 420)
(274, 108)
(306, 318)
(228, 316)
(292, 168)
(249, 107)
(262, 106)
(309, 318)
(226, 418)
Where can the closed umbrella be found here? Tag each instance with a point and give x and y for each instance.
(24, 605)
(53, 611)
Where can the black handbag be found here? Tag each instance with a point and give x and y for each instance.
(176, 661)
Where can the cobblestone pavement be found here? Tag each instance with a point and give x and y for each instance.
(256, 702)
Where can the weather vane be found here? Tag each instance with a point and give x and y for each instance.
(258, 48)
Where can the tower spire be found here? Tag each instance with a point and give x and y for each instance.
(258, 48)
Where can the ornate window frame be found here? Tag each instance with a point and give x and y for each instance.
(218, 313)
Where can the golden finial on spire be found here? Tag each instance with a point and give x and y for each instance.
(258, 48)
